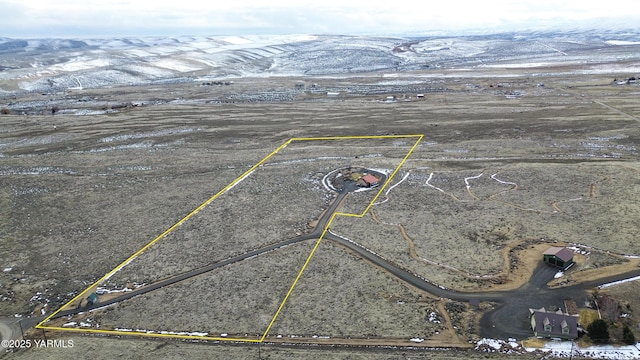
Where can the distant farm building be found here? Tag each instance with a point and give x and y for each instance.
(551, 324)
(558, 256)
(368, 180)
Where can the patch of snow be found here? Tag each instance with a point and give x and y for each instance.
(176, 65)
(603, 286)
(392, 187)
(326, 183)
(433, 317)
(433, 186)
(164, 332)
(570, 349)
(578, 250)
(382, 171)
(101, 290)
(237, 40)
(622, 42)
(141, 145)
(80, 64)
(493, 343)
(466, 180)
(39, 170)
(85, 112)
(501, 181)
(148, 134)
(151, 71)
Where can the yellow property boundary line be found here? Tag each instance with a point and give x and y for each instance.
(42, 325)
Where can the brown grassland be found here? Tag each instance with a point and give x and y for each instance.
(494, 181)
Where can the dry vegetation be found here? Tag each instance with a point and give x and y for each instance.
(81, 194)
(339, 295)
(520, 204)
(215, 303)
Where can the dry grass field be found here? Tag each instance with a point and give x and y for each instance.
(79, 194)
(339, 295)
(430, 217)
(215, 303)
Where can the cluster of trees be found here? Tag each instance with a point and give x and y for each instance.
(599, 333)
(610, 309)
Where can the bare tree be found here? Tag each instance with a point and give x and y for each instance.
(609, 307)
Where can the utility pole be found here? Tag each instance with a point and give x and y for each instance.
(21, 331)
(571, 354)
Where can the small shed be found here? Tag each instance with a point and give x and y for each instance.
(92, 299)
(558, 256)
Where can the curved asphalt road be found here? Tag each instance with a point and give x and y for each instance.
(508, 320)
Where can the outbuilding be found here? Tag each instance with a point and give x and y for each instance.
(558, 256)
(92, 299)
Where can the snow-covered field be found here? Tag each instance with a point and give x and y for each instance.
(58, 64)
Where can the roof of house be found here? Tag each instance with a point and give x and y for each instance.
(370, 179)
(557, 320)
(561, 253)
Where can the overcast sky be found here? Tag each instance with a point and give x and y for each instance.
(92, 18)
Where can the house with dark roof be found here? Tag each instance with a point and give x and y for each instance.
(552, 324)
(558, 256)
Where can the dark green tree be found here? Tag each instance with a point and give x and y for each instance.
(599, 331)
(628, 336)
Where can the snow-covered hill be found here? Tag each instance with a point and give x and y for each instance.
(44, 65)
